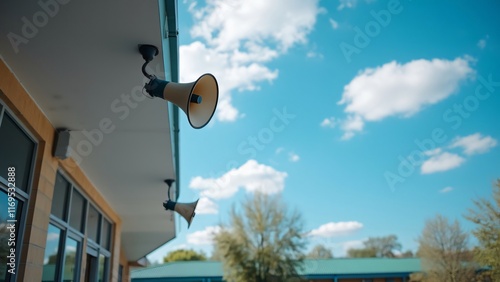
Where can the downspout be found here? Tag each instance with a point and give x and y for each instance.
(170, 39)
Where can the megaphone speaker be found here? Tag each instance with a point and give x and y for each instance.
(197, 99)
(185, 210)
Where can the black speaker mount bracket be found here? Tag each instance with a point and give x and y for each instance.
(148, 53)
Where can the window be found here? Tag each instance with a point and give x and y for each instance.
(72, 251)
(120, 273)
(60, 197)
(17, 151)
(70, 223)
(77, 211)
(102, 267)
(5, 234)
(93, 224)
(106, 234)
(51, 254)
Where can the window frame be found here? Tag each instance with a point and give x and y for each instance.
(21, 195)
(87, 245)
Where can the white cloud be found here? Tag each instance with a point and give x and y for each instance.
(482, 42)
(237, 38)
(353, 244)
(334, 23)
(279, 150)
(329, 122)
(352, 124)
(293, 157)
(347, 4)
(314, 54)
(474, 143)
(206, 206)
(441, 162)
(251, 176)
(446, 190)
(433, 152)
(395, 89)
(203, 237)
(333, 229)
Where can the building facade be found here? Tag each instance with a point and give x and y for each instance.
(72, 67)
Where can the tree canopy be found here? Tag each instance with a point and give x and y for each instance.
(263, 241)
(184, 255)
(377, 247)
(320, 252)
(486, 216)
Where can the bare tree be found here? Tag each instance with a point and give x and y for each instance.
(444, 251)
(263, 243)
(377, 247)
(320, 252)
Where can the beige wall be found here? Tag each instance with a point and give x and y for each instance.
(35, 235)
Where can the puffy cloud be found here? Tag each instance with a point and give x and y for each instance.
(333, 229)
(293, 157)
(347, 4)
(329, 122)
(474, 143)
(237, 38)
(229, 24)
(352, 124)
(251, 176)
(334, 23)
(481, 44)
(203, 237)
(353, 244)
(206, 206)
(446, 190)
(395, 89)
(441, 162)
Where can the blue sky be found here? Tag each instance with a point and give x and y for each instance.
(369, 117)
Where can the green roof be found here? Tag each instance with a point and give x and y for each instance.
(340, 266)
(360, 266)
(181, 269)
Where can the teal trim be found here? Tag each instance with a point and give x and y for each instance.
(313, 269)
(170, 46)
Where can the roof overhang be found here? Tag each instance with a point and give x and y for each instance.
(79, 61)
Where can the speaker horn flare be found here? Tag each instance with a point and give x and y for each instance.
(186, 210)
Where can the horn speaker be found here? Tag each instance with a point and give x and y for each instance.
(186, 210)
(198, 99)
